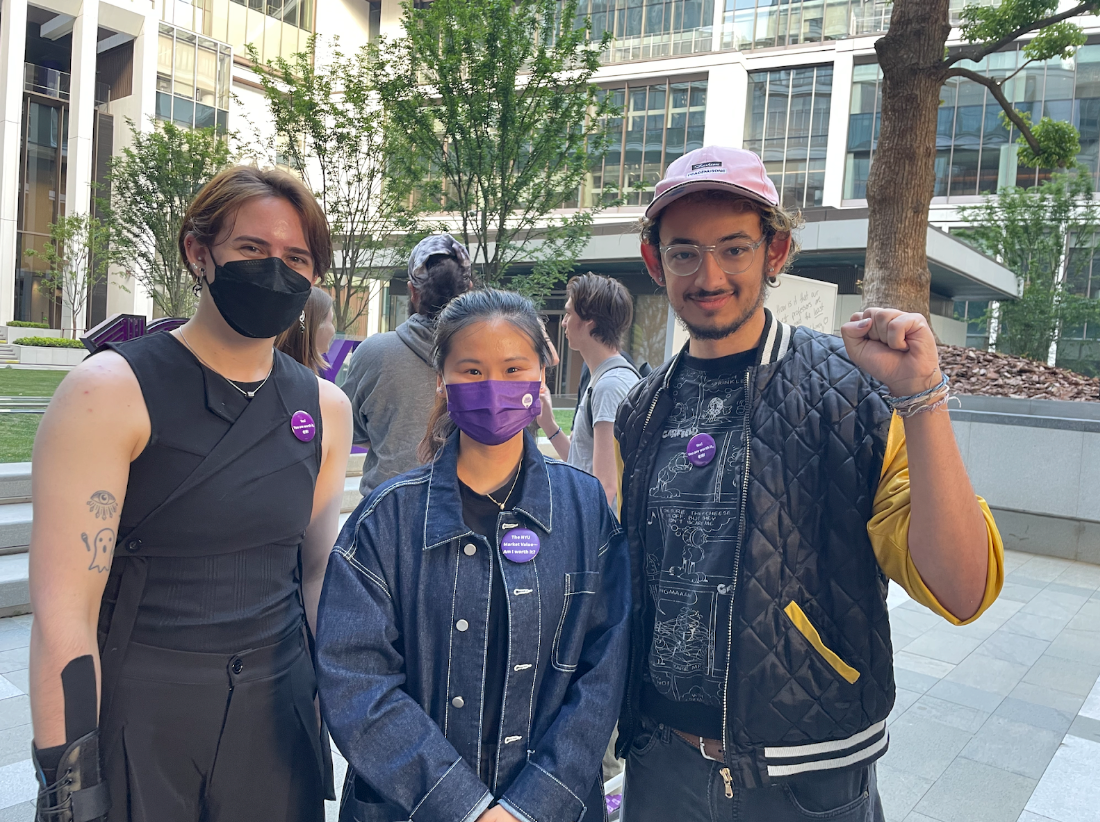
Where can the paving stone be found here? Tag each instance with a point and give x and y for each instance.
(916, 616)
(1028, 816)
(917, 817)
(901, 634)
(903, 698)
(1063, 674)
(1036, 626)
(1069, 790)
(944, 645)
(17, 783)
(17, 638)
(1046, 568)
(1006, 645)
(14, 711)
(1031, 713)
(1081, 575)
(1013, 746)
(934, 709)
(988, 674)
(923, 748)
(1087, 619)
(1018, 591)
(1051, 697)
(23, 812)
(922, 664)
(971, 791)
(966, 695)
(899, 791)
(15, 744)
(1059, 586)
(1086, 728)
(17, 679)
(1054, 605)
(14, 659)
(1079, 646)
(912, 681)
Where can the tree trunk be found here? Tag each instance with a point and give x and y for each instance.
(902, 178)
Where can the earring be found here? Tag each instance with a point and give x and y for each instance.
(302, 322)
(196, 288)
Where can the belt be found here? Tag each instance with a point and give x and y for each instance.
(710, 748)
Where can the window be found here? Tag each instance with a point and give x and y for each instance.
(976, 316)
(644, 29)
(660, 122)
(192, 79)
(975, 152)
(277, 28)
(787, 124)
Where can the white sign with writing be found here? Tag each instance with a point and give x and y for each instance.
(800, 301)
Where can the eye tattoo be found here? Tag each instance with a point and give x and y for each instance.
(103, 504)
(100, 549)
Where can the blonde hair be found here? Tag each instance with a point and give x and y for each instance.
(301, 342)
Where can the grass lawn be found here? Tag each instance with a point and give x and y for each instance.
(564, 418)
(17, 436)
(24, 382)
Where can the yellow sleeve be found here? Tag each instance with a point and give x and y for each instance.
(889, 532)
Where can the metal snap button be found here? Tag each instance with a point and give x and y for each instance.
(462, 625)
(133, 545)
(238, 666)
(458, 702)
(470, 549)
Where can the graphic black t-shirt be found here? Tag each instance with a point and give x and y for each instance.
(692, 517)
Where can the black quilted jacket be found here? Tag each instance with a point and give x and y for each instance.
(809, 673)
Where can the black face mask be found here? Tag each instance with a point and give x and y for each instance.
(259, 298)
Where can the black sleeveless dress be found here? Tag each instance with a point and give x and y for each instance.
(207, 708)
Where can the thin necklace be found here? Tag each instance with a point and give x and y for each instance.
(249, 394)
(510, 490)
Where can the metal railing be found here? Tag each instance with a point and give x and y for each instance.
(56, 84)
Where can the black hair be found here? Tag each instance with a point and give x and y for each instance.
(445, 280)
(480, 305)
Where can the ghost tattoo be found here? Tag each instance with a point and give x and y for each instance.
(100, 548)
(103, 505)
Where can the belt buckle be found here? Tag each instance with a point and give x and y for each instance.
(703, 751)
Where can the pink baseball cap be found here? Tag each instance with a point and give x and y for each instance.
(714, 167)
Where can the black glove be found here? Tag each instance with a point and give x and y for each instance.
(79, 793)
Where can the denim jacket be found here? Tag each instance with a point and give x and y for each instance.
(402, 638)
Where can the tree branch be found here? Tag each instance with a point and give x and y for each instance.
(977, 51)
(998, 94)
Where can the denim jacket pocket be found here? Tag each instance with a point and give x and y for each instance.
(569, 639)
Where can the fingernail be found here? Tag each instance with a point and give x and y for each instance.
(863, 323)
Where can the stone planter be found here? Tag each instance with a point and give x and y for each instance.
(57, 357)
(13, 333)
(1037, 464)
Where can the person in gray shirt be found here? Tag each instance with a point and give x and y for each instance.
(598, 313)
(391, 382)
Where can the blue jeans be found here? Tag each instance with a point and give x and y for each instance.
(668, 779)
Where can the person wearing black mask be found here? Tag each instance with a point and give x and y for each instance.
(216, 464)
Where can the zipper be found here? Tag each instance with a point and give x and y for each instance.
(745, 431)
(725, 774)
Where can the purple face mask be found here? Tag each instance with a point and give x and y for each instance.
(493, 411)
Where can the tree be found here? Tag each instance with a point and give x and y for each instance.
(492, 106)
(78, 256)
(330, 131)
(1046, 236)
(152, 184)
(915, 64)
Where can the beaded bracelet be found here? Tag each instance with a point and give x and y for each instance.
(928, 400)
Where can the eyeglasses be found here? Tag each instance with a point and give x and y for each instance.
(732, 256)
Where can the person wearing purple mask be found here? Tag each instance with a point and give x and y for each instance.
(472, 631)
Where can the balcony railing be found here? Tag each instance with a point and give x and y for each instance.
(54, 83)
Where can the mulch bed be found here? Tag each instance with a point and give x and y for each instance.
(973, 371)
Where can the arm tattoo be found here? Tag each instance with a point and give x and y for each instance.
(100, 549)
(103, 505)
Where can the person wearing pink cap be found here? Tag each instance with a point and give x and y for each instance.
(774, 479)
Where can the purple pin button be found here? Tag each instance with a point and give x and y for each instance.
(701, 449)
(303, 426)
(520, 545)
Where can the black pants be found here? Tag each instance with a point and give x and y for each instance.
(215, 737)
(668, 779)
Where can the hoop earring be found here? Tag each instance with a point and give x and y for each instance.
(302, 322)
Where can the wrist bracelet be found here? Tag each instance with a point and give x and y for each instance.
(555, 433)
(928, 400)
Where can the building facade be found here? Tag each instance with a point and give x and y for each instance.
(794, 80)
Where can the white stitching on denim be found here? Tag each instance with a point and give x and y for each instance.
(446, 773)
(404, 483)
(469, 817)
(538, 649)
(512, 803)
(373, 577)
(485, 660)
(583, 806)
(450, 649)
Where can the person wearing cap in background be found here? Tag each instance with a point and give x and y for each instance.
(774, 478)
(391, 379)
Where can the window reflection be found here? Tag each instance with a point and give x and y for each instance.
(192, 79)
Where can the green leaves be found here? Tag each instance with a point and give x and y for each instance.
(152, 183)
(1059, 143)
(1046, 236)
(496, 118)
(984, 23)
(1057, 40)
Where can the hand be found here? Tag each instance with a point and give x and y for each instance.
(895, 348)
(546, 416)
(496, 814)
